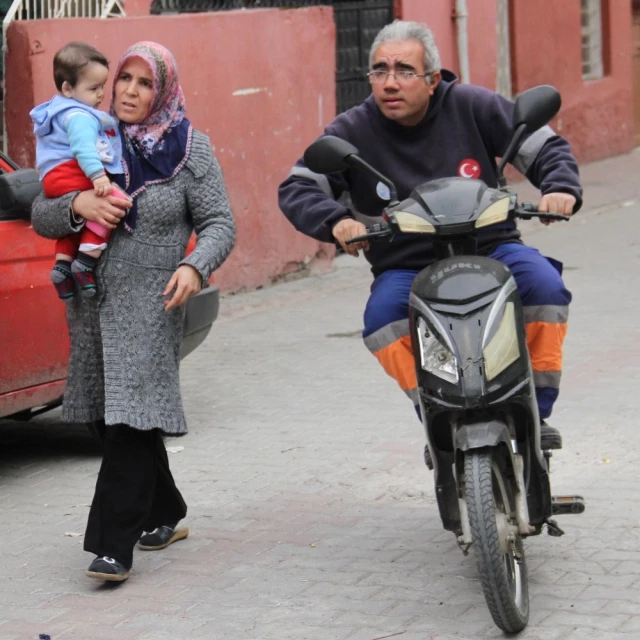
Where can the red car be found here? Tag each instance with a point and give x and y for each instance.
(34, 342)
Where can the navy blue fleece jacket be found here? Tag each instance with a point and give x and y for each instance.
(462, 123)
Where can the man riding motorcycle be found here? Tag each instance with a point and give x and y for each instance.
(419, 125)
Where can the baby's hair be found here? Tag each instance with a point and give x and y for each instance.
(69, 62)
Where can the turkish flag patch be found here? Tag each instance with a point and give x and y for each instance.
(469, 168)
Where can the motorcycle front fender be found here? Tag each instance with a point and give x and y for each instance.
(490, 435)
(482, 434)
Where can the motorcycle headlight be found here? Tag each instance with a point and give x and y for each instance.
(494, 213)
(502, 349)
(411, 223)
(434, 356)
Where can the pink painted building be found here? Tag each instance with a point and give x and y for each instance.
(582, 47)
(262, 84)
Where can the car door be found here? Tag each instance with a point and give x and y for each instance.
(34, 343)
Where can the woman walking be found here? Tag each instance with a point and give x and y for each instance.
(125, 342)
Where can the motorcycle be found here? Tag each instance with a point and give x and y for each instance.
(475, 381)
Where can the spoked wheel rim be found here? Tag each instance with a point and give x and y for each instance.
(496, 541)
(513, 558)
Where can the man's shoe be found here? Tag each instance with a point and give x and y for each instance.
(161, 537)
(550, 437)
(427, 457)
(105, 568)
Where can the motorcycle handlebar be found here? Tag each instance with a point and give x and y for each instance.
(526, 211)
(376, 231)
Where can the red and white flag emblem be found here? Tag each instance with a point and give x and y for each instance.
(469, 168)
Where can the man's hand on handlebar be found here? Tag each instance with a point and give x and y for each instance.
(345, 230)
(556, 203)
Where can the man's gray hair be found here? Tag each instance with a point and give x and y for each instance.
(403, 30)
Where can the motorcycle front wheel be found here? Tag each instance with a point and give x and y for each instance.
(498, 547)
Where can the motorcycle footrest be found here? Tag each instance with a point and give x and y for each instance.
(565, 505)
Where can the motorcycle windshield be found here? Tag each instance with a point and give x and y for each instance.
(449, 202)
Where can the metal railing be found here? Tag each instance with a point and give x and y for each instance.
(47, 9)
(54, 9)
(196, 6)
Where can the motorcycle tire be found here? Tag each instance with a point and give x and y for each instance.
(501, 563)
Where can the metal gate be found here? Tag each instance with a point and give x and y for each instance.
(357, 23)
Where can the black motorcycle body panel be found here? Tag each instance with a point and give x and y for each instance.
(461, 299)
(474, 376)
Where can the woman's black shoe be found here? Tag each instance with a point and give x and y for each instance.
(106, 568)
(161, 537)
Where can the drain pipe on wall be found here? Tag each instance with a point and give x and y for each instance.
(460, 16)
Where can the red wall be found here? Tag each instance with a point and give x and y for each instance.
(481, 33)
(261, 84)
(137, 7)
(597, 115)
(257, 102)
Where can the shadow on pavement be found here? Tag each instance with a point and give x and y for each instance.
(44, 438)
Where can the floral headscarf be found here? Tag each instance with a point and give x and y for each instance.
(154, 150)
(167, 105)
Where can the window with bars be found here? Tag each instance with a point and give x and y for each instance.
(592, 66)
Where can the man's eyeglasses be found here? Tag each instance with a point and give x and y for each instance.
(402, 75)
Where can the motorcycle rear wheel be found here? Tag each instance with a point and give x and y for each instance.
(499, 552)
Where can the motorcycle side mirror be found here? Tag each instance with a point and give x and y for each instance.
(532, 110)
(536, 107)
(331, 154)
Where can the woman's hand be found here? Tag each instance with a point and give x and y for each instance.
(184, 283)
(105, 211)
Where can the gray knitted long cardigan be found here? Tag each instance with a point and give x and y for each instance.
(125, 349)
